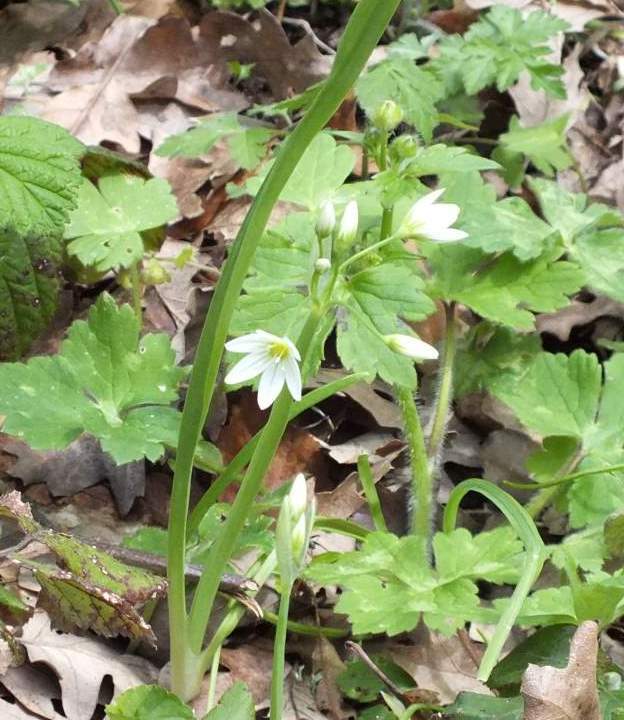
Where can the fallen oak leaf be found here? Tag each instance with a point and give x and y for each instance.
(569, 693)
(81, 665)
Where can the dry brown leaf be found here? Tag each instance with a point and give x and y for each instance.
(34, 689)
(140, 59)
(561, 323)
(81, 665)
(252, 664)
(287, 68)
(444, 665)
(329, 666)
(15, 712)
(81, 465)
(568, 693)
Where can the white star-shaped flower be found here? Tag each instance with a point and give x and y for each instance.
(275, 359)
(432, 220)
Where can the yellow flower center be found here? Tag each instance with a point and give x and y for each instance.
(279, 350)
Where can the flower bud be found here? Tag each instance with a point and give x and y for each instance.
(388, 116)
(298, 497)
(298, 538)
(322, 265)
(411, 346)
(347, 232)
(326, 221)
(154, 273)
(403, 147)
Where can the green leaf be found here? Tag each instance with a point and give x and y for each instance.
(105, 381)
(358, 682)
(471, 706)
(29, 286)
(592, 233)
(490, 353)
(247, 144)
(544, 145)
(12, 609)
(388, 586)
(498, 48)
(93, 590)
(105, 229)
(374, 303)
(235, 704)
(415, 90)
(562, 395)
(505, 291)
(39, 176)
(75, 604)
(322, 170)
(148, 539)
(148, 702)
(492, 226)
(547, 646)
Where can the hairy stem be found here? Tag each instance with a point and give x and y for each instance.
(370, 491)
(547, 495)
(422, 486)
(136, 290)
(445, 391)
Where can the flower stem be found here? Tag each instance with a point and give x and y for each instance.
(422, 486)
(445, 391)
(214, 676)
(368, 485)
(279, 652)
(306, 628)
(367, 24)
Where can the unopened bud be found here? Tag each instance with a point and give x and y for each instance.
(347, 232)
(326, 221)
(298, 497)
(388, 116)
(298, 537)
(154, 273)
(322, 265)
(403, 147)
(411, 346)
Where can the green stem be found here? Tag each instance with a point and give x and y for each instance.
(214, 676)
(135, 288)
(522, 523)
(422, 486)
(548, 495)
(306, 628)
(581, 475)
(368, 485)
(279, 653)
(240, 460)
(365, 252)
(445, 391)
(360, 37)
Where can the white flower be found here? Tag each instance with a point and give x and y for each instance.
(322, 265)
(274, 359)
(298, 537)
(348, 225)
(297, 498)
(430, 219)
(411, 346)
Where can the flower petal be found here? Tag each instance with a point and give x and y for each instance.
(270, 386)
(249, 367)
(423, 203)
(447, 235)
(246, 343)
(292, 347)
(293, 377)
(442, 215)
